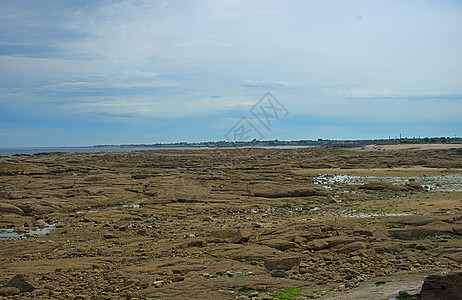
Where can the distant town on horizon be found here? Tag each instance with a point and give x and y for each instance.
(318, 142)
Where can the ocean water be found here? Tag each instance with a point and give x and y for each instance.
(35, 150)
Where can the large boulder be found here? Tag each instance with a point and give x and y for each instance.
(6, 208)
(442, 287)
(437, 228)
(285, 263)
(23, 282)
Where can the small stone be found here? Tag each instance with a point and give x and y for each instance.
(356, 258)
(264, 296)
(177, 278)
(109, 236)
(242, 235)
(278, 273)
(142, 232)
(253, 294)
(40, 222)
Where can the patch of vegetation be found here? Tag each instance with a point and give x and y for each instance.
(288, 294)
(382, 282)
(403, 297)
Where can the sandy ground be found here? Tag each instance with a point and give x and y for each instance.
(325, 222)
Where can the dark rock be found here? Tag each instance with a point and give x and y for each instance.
(109, 236)
(332, 200)
(23, 282)
(142, 232)
(442, 287)
(141, 176)
(286, 263)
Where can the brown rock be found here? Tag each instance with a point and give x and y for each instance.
(242, 235)
(299, 240)
(443, 287)
(414, 186)
(381, 186)
(279, 244)
(9, 291)
(23, 282)
(286, 263)
(455, 256)
(428, 230)
(223, 233)
(6, 208)
(351, 247)
(177, 278)
(194, 243)
(317, 245)
(379, 233)
(329, 242)
(278, 273)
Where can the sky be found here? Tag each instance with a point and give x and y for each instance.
(77, 73)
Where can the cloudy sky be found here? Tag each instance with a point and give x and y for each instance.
(115, 72)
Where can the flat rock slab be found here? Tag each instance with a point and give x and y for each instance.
(411, 282)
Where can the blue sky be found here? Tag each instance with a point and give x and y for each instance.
(114, 72)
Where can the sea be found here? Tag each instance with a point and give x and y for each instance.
(34, 150)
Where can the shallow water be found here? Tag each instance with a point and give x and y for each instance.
(8, 234)
(452, 182)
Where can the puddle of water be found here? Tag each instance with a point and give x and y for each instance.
(97, 209)
(8, 234)
(451, 182)
(132, 206)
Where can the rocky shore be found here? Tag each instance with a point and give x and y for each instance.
(326, 222)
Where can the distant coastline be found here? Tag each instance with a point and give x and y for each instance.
(10, 151)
